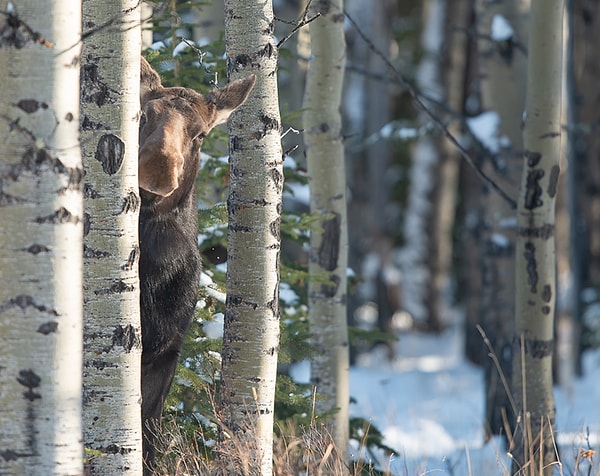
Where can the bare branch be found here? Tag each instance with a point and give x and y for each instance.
(436, 120)
(304, 20)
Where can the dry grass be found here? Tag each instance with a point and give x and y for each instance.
(308, 452)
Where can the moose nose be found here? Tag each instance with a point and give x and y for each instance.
(159, 172)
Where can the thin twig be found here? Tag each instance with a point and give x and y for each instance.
(421, 105)
(304, 20)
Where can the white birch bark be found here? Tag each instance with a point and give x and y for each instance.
(327, 291)
(536, 260)
(41, 212)
(251, 328)
(110, 109)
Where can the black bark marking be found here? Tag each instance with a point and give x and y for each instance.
(330, 245)
(37, 160)
(31, 105)
(553, 181)
(550, 135)
(277, 177)
(275, 229)
(330, 289)
(88, 125)
(131, 203)
(269, 124)
(6, 199)
(533, 190)
(15, 33)
(89, 252)
(110, 153)
(532, 275)
(60, 216)
(48, 327)
(36, 249)
(30, 380)
(24, 301)
(115, 449)
(90, 192)
(118, 286)
(93, 87)
(126, 337)
(546, 310)
(236, 301)
(546, 293)
(132, 259)
(323, 127)
(235, 144)
(69, 116)
(536, 348)
(87, 223)
(533, 158)
(543, 232)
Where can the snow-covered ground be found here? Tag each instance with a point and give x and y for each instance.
(429, 405)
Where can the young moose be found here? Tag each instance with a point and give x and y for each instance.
(173, 124)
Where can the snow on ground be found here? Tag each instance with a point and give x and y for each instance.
(429, 405)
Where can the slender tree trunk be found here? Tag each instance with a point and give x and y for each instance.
(329, 236)
(536, 273)
(583, 169)
(425, 269)
(41, 211)
(251, 328)
(110, 108)
(502, 74)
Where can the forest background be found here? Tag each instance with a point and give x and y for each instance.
(429, 239)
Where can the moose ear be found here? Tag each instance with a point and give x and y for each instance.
(149, 79)
(232, 96)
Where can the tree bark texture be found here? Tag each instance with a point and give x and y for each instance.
(41, 211)
(502, 65)
(535, 252)
(110, 108)
(251, 327)
(327, 290)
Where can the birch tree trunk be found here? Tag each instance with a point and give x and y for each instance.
(112, 337)
(536, 261)
(327, 289)
(501, 74)
(41, 211)
(251, 327)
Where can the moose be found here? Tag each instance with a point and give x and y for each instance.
(173, 123)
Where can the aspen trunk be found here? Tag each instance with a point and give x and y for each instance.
(41, 211)
(502, 73)
(327, 290)
(112, 338)
(536, 261)
(251, 327)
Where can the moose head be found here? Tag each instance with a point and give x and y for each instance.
(173, 124)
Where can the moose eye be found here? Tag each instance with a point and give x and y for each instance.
(201, 136)
(143, 119)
